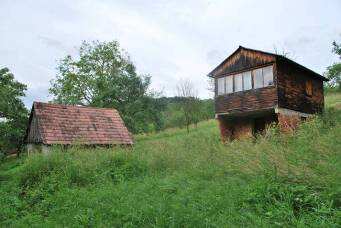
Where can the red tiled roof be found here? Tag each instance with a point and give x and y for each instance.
(68, 124)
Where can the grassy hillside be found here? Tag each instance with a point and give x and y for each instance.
(175, 179)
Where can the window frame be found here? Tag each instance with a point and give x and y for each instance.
(223, 92)
(244, 73)
(272, 72)
(234, 82)
(254, 77)
(253, 81)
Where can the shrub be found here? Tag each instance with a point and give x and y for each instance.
(39, 166)
(2, 156)
(123, 167)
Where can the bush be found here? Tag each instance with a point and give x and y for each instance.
(124, 167)
(287, 202)
(39, 166)
(78, 167)
(2, 156)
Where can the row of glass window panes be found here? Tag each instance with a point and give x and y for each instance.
(262, 77)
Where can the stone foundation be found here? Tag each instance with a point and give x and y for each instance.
(225, 128)
(288, 123)
(235, 129)
(245, 127)
(32, 148)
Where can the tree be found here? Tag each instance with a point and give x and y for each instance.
(190, 103)
(13, 113)
(207, 109)
(104, 76)
(334, 71)
(337, 48)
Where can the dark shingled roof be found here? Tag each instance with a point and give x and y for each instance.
(68, 124)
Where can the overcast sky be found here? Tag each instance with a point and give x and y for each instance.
(167, 39)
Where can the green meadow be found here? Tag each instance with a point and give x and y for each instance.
(176, 179)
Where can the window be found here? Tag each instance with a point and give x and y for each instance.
(263, 77)
(238, 82)
(247, 80)
(257, 78)
(309, 88)
(229, 84)
(221, 89)
(268, 76)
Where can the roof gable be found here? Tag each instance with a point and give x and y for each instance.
(246, 58)
(68, 124)
(242, 59)
(33, 130)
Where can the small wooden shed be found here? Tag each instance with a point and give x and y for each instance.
(255, 88)
(56, 124)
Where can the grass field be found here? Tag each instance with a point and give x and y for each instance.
(175, 179)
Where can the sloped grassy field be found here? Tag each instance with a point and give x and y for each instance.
(175, 179)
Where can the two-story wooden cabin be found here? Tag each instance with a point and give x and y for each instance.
(255, 88)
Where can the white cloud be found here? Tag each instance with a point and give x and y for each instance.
(167, 39)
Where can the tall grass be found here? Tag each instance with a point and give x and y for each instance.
(175, 179)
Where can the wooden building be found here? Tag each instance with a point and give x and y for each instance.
(55, 124)
(255, 88)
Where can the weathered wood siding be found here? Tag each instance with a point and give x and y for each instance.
(250, 100)
(289, 90)
(243, 59)
(292, 95)
(33, 135)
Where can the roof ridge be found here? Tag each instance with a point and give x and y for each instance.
(72, 105)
